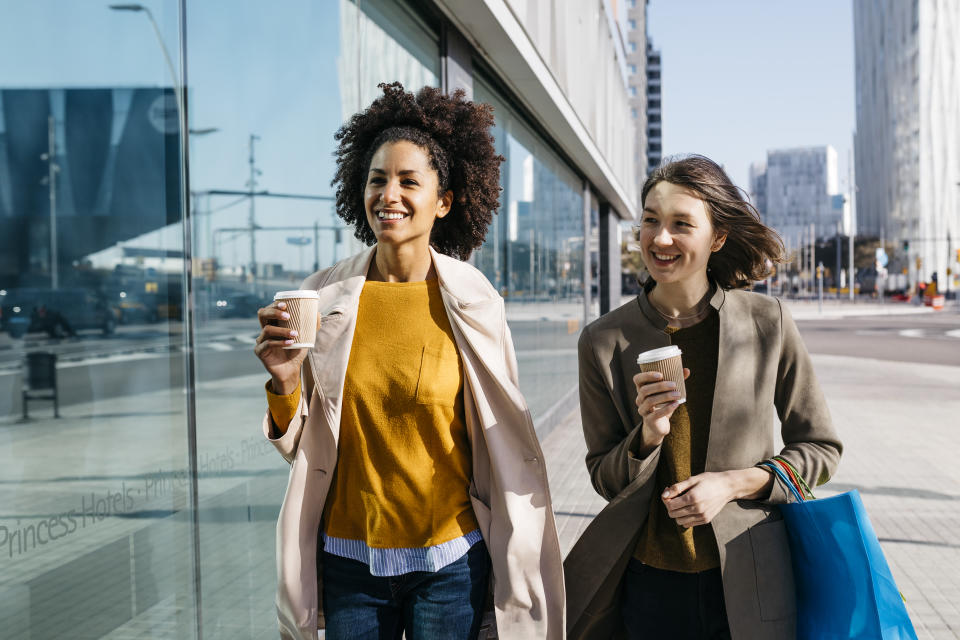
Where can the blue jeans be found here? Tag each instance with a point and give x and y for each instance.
(447, 604)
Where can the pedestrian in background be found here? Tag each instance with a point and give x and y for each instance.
(691, 544)
(417, 495)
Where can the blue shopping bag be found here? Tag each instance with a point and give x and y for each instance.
(843, 582)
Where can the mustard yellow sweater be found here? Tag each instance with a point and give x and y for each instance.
(404, 461)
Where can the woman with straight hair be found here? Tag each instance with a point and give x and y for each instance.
(417, 498)
(692, 544)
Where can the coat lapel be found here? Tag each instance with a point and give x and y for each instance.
(735, 376)
(338, 308)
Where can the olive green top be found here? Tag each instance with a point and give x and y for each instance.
(663, 543)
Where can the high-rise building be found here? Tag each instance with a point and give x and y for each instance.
(654, 122)
(758, 186)
(634, 31)
(907, 144)
(796, 189)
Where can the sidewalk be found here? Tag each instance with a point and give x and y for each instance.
(898, 422)
(898, 444)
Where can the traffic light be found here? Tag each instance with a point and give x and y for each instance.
(906, 245)
(958, 255)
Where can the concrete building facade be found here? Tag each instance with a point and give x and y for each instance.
(907, 143)
(654, 108)
(794, 189)
(633, 23)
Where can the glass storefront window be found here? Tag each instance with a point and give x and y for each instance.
(148, 506)
(95, 523)
(533, 255)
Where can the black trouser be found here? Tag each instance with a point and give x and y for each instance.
(660, 604)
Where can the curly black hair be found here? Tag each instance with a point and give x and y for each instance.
(456, 134)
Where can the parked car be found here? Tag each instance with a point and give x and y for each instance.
(238, 305)
(56, 312)
(137, 308)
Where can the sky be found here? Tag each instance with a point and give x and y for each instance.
(744, 76)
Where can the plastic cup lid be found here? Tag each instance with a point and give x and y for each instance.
(299, 293)
(658, 354)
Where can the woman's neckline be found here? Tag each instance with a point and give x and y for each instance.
(700, 311)
(430, 282)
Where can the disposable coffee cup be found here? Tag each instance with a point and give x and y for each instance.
(302, 307)
(667, 361)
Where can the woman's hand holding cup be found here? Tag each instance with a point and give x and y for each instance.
(657, 399)
(280, 345)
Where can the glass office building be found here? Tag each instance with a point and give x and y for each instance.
(164, 168)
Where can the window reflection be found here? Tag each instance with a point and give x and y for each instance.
(533, 254)
(94, 525)
(98, 535)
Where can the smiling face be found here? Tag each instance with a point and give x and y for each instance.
(676, 236)
(401, 195)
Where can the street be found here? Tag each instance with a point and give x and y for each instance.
(932, 338)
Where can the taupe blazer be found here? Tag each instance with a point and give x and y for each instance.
(762, 366)
(509, 490)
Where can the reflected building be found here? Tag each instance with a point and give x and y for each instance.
(118, 174)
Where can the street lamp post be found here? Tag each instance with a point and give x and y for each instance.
(51, 181)
(252, 221)
(949, 278)
(177, 94)
(139, 8)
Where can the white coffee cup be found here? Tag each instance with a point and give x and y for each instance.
(302, 307)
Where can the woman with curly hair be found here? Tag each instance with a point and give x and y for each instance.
(691, 544)
(417, 498)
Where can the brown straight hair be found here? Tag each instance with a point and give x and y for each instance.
(751, 245)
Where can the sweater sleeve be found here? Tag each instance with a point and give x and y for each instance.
(611, 448)
(283, 408)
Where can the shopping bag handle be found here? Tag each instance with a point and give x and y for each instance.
(798, 480)
(780, 473)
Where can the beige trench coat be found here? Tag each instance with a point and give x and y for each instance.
(762, 365)
(509, 490)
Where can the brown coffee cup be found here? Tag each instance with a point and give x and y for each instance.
(302, 307)
(667, 361)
